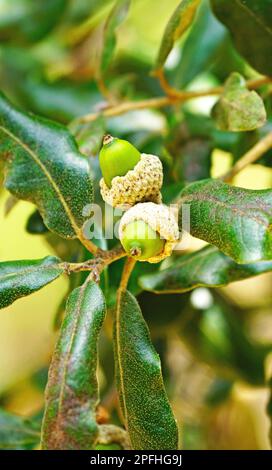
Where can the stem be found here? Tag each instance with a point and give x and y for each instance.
(175, 97)
(250, 157)
(89, 245)
(128, 268)
(96, 264)
(173, 92)
(168, 90)
(125, 107)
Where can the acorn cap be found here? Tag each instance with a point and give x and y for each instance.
(143, 183)
(160, 218)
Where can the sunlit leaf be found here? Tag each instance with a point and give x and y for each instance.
(179, 22)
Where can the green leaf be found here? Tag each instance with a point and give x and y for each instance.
(72, 389)
(115, 18)
(43, 166)
(250, 23)
(35, 224)
(207, 267)
(179, 22)
(21, 278)
(28, 20)
(236, 220)
(201, 48)
(17, 433)
(239, 109)
(147, 413)
(219, 337)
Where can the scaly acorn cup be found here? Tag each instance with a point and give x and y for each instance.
(148, 232)
(128, 176)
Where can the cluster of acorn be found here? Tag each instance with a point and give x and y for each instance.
(148, 230)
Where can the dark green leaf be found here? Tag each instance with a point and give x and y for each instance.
(176, 26)
(60, 100)
(72, 390)
(236, 220)
(250, 23)
(44, 166)
(21, 278)
(201, 47)
(238, 109)
(23, 77)
(115, 18)
(207, 267)
(17, 433)
(28, 20)
(35, 224)
(147, 413)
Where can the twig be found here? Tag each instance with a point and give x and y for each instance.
(174, 98)
(166, 87)
(128, 268)
(250, 157)
(97, 264)
(174, 93)
(89, 245)
(127, 106)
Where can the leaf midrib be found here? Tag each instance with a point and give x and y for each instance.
(204, 198)
(27, 271)
(253, 15)
(118, 351)
(68, 355)
(122, 385)
(48, 176)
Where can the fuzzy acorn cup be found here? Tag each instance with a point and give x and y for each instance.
(129, 177)
(148, 232)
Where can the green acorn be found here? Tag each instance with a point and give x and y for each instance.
(148, 232)
(141, 242)
(128, 176)
(116, 158)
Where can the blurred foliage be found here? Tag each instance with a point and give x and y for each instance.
(64, 59)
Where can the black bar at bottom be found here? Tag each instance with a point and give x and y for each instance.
(125, 459)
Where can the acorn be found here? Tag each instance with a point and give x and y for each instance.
(116, 158)
(148, 232)
(129, 177)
